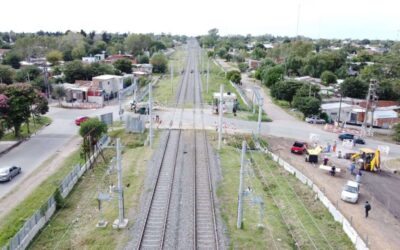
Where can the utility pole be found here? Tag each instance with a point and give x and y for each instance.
(135, 88)
(120, 105)
(151, 115)
(208, 73)
(371, 98)
(240, 194)
(340, 107)
(172, 77)
(220, 113)
(46, 81)
(260, 103)
(121, 222)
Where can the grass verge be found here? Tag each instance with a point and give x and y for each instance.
(217, 77)
(74, 226)
(279, 211)
(12, 222)
(39, 123)
(248, 116)
(165, 91)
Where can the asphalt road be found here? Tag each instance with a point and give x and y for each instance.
(40, 147)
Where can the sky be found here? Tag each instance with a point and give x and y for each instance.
(356, 19)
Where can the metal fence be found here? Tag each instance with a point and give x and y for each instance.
(33, 225)
(337, 215)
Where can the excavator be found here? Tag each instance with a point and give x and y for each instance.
(368, 159)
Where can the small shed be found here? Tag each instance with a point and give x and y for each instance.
(229, 101)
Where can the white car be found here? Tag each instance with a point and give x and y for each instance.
(351, 192)
(315, 120)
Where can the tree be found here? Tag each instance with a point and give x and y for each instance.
(294, 64)
(27, 74)
(222, 52)
(75, 70)
(6, 74)
(156, 46)
(389, 90)
(59, 93)
(3, 111)
(243, 67)
(137, 43)
(159, 62)
(258, 53)
(91, 130)
(307, 105)
(354, 88)
(396, 135)
(328, 77)
(12, 59)
(23, 101)
(272, 75)
(96, 69)
(143, 59)
(234, 76)
(123, 65)
(54, 57)
(285, 90)
(78, 52)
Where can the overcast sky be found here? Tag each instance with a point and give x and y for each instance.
(317, 18)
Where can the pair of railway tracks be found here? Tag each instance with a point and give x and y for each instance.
(204, 226)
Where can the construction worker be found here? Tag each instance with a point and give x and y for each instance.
(333, 170)
(352, 167)
(367, 207)
(326, 160)
(358, 176)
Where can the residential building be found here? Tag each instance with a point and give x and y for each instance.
(113, 58)
(333, 109)
(93, 59)
(254, 64)
(108, 84)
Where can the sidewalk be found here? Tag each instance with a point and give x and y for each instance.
(6, 146)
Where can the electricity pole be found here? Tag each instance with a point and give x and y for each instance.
(121, 222)
(260, 103)
(220, 113)
(150, 115)
(240, 194)
(370, 101)
(172, 77)
(208, 73)
(120, 105)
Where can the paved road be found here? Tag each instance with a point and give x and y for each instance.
(40, 147)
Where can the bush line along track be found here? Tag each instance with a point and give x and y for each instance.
(154, 227)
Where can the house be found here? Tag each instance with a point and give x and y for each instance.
(268, 46)
(146, 68)
(93, 59)
(108, 84)
(254, 64)
(381, 118)
(324, 90)
(113, 58)
(333, 109)
(75, 92)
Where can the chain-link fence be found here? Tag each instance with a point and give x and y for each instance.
(33, 225)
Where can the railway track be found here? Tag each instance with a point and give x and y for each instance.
(156, 224)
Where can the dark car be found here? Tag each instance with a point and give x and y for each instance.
(346, 136)
(81, 119)
(298, 147)
(9, 172)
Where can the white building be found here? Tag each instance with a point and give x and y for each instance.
(109, 84)
(332, 110)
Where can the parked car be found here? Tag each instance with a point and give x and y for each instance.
(81, 119)
(9, 172)
(315, 120)
(351, 192)
(346, 136)
(298, 147)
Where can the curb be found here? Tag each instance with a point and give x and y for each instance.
(11, 147)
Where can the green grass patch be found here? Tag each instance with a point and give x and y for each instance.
(289, 213)
(34, 126)
(74, 226)
(165, 91)
(217, 77)
(13, 221)
(249, 116)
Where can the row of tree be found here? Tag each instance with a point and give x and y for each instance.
(18, 103)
